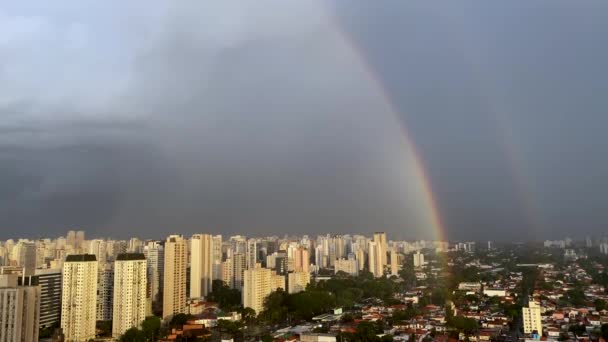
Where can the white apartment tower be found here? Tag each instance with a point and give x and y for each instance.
(201, 265)
(155, 259)
(380, 239)
(252, 253)
(374, 259)
(79, 297)
(418, 259)
(394, 262)
(130, 282)
(259, 283)
(174, 284)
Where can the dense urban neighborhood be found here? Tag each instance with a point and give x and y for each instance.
(328, 288)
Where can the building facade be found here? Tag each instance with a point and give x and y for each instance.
(297, 281)
(174, 283)
(50, 296)
(130, 280)
(19, 310)
(79, 297)
(201, 265)
(259, 283)
(532, 318)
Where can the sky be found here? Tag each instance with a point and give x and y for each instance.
(146, 118)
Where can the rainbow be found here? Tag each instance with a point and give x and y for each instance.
(432, 213)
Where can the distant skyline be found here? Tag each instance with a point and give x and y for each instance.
(151, 118)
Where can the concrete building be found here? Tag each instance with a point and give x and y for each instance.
(349, 266)
(360, 256)
(130, 280)
(297, 281)
(301, 260)
(79, 297)
(418, 259)
(239, 265)
(19, 310)
(381, 242)
(25, 252)
(394, 262)
(374, 259)
(97, 247)
(155, 263)
(50, 296)
(252, 253)
(259, 283)
(105, 292)
(532, 318)
(174, 288)
(217, 257)
(227, 275)
(201, 265)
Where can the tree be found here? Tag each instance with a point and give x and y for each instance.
(604, 332)
(151, 327)
(229, 327)
(275, 308)
(227, 299)
(133, 335)
(267, 338)
(463, 324)
(577, 329)
(247, 315)
(179, 320)
(600, 304)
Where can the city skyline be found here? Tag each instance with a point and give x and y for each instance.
(468, 121)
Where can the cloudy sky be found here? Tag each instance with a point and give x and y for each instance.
(143, 118)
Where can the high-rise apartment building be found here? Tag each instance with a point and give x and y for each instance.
(301, 260)
(360, 256)
(297, 281)
(79, 297)
(239, 265)
(227, 275)
(71, 240)
(380, 239)
(19, 310)
(201, 265)
(394, 262)
(26, 256)
(374, 257)
(97, 247)
(105, 292)
(252, 253)
(130, 275)
(259, 283)
(418, 259)
(532, 318)
(349, 266)
(49, 281)
(217, 257)
(174, 288)
(155, 260)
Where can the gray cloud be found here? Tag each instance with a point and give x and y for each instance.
(242, 117)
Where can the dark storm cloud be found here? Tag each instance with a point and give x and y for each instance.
(503, 102)
(241, 117)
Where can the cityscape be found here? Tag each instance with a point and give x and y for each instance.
(301, 288)
(303, 171)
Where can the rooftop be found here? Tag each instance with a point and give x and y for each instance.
(80, 257)
(130, 256)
